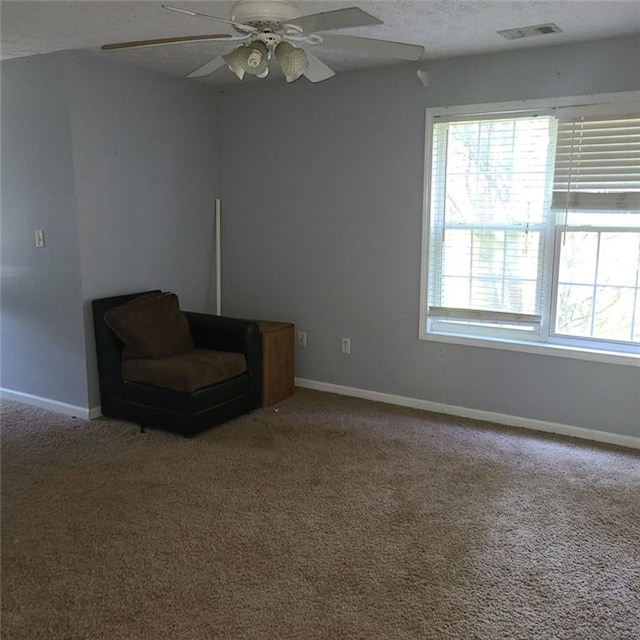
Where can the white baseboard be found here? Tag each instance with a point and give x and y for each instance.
(51, 405)
(376, 396)
(476, 414)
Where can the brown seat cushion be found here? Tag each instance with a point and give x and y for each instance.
(151, 326)
(187, 371)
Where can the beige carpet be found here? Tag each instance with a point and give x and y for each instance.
(328, 518)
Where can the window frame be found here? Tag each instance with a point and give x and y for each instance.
(544, 341)
(555, 336)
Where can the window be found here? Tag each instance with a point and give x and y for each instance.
(533, 226)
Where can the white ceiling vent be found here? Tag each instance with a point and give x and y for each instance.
(530, 32)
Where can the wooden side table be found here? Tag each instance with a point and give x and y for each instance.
(278, 361)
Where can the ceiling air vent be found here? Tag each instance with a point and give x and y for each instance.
(530, 32)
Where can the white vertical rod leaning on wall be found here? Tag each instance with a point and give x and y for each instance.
(218, 261)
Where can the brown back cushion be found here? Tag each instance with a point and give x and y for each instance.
(151, 326)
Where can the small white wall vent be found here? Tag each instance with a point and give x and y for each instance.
(530, 32)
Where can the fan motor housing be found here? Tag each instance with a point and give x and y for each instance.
(265, 15)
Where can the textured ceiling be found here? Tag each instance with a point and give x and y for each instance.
(444, 27)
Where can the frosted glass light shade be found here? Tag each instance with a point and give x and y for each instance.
(258, 58)
(250, 58)
(293, 60)
(236, 59)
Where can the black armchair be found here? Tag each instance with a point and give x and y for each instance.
(181, 408)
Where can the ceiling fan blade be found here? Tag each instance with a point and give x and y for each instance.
(317, 71)
(208, 68)
(238, 25)
(338, 19)
(373, 47)
(160, 42)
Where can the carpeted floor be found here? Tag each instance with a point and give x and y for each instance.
(322, 518)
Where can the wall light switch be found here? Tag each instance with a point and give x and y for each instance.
(302, 340)
(39, 233)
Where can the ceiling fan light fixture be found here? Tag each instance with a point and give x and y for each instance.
(293, 60)
(235, 60)
(263, 25)
(257, 59)
(249, 58)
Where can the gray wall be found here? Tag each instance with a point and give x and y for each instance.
(322, 199)
(119, 166)
(145, 155)
(41, 325)
(322, 217)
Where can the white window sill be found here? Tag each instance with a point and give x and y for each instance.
(545, 349)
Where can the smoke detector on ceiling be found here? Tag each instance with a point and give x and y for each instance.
(530, 32)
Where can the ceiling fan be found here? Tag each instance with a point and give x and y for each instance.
(276, 29)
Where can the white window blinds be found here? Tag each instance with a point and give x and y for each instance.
(598, 164)
(490, 190)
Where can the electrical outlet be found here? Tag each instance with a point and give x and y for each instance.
(345, 345)
(302, 340)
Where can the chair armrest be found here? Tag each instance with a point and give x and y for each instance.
(222, 333)
(231, 334)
